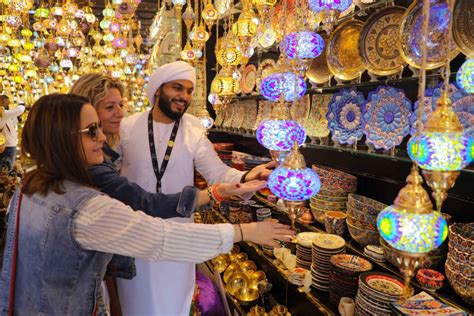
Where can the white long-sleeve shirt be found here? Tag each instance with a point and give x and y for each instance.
(8, 125)
(107, 225)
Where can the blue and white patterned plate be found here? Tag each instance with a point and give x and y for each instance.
(386, 117)
(345, 116)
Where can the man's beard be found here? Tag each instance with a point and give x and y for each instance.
(164, 104)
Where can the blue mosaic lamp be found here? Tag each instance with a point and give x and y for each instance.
(294, 183)
(328, 5)
(291, 85)
(279, 133)
(303, 45)
(410, 225)
(465, 76)
(442, 150)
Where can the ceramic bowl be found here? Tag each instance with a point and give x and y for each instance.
(327, 207)
(334, 179)
(461, 237)
(466, 270)
(317, 201)
(362, 236)
(332, 195)
(429, 279)
(461, 256)
(360, 223)
(365, 205)
(318, 214)
(463, 286)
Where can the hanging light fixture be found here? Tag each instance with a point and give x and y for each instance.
(288, 84)
(279, 133)
(294, 183)
(330, 9)
(303, 46)
(245, 27)
(465, 76)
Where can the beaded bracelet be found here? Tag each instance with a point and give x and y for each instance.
(211, 196)
(216, 195)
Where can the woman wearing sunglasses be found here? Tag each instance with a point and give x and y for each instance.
(62, 232)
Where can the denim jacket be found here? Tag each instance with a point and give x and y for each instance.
(54, 275)
(106, 177)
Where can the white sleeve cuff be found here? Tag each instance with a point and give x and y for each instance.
(227, 233)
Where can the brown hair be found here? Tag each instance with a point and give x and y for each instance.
(51, 139)
(95, 86)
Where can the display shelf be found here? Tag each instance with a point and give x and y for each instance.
(397, 154)
(284, 292)
(446, 294)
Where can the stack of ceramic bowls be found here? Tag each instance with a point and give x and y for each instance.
(362, 219)
(376, 291)
(344, 276)
(459, 266)
(224, 151)
(251, 162)
(335, 186)
(324, 246)
(304, 243)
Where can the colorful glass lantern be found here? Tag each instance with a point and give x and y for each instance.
(263, 6)
(465, 76)
(209, 14)
(279, 135)
(229, 55)
(188, 54)
(294, 183)
(291, 85)
(303, 45)
(327, 5)
(224, 84)
(245, 27)
(410, 225)
(442, 150)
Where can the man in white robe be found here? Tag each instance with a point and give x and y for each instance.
(166, 288)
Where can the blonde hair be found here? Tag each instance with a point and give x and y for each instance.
(95, 86)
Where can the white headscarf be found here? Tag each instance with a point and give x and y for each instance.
(177, 70)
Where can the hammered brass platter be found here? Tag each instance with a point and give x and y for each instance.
(343, 56)
(379, 43)
(463, 26)
(439, 46)
(318, 71)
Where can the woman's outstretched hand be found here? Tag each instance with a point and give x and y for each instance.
(240, 191)
(264, 233)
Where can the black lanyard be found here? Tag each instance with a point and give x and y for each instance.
(159, 172)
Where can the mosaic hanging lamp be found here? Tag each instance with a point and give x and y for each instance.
(303, 46)
(442, 150)
(288, 84)
(410, 226)
(294, 183)
(465, 76)
(279, 133)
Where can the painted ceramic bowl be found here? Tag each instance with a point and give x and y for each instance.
(362, 236)
(463, 268)
(333, 179)
(372, 225)
(461, 237)
(318, 214)
(430, 280)
(462, 285)
(364, 205)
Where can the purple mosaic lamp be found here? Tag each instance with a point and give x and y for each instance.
(288, 84)
(294, 183)
(303, 46)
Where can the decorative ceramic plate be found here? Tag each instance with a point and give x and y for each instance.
(316, 124)
(439, 42)
(463, 26)
(265, 68)
(345, 116)
(383, 283)
(300, 109)
(342, 54)
(427, 109)
(351, 263)
(380, 40)
(386, 117)
(329, 242)
(318, 71)
(306, 238)
(249, 78)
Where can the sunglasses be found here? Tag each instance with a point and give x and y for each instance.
(92, 131)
